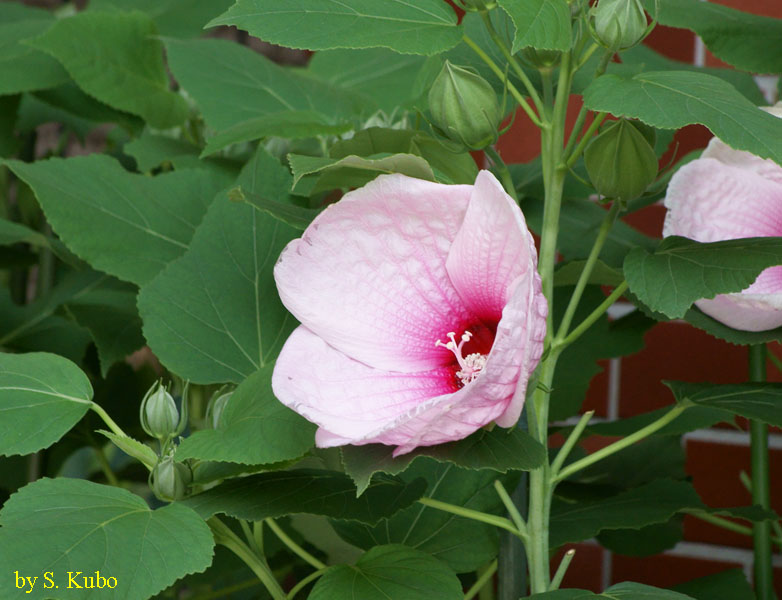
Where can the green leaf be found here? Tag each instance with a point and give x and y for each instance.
(760, 401)
(655, 502)
(741, 39)
(423, 27)
(177, 18)
(289, 124)
(297, 217)
(151, 219)
(726, 585)
(312, 491)
(62, 525)
(14, 233)
(392, 571)
(673, 99)
(214, 315)
(627, 590)
(701, 320)
(380, 77)
(255, 428)
(109, 312)
(543, 24)
(233, 84)
(355, 171)
(24, 68)
(681, 271)
(43, 396)
(499, 450)
(463, 544)
(117, 58)
(133, 447)
(646, 541)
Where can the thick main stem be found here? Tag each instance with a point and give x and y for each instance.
(761, 532)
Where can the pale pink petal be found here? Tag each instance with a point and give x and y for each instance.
(369, 277)
(709, 201)
(748, 312)
(496, 394)
(346, 398)
(492, 249)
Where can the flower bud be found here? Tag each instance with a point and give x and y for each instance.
(541, 59)
(464, 106)
(159, 415)
(171, 479)
(619, 24)
(620, 161)
(214, 411)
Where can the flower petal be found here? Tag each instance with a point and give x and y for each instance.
(369, 277)
(346, 398)
(748, 312)
(710, 201)
(492, 249)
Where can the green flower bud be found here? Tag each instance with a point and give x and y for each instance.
(216, 406)
(621, 162)
(464, 107)
(171, 479)
(159, 415)
(541, 59)
(619, 24)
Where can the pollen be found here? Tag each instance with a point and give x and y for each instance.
(470, 366)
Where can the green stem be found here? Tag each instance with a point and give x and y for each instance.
(514, 513)
(304, 583)
(501, 74)
(570, 442)
(602, 235)
(514, 64)
(619, 445)
(295, 548)
(594, 315)
(485, 577)
(502, 170)
(225, 537)
(726, 524)
(468, 513)
(104, 465)
(116, 429)
(248, 535)
(585, 139)
(761, 494)
(561, 570)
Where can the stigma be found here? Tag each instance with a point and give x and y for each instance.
(470, 366)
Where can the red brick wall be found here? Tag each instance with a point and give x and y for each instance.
(673, 351)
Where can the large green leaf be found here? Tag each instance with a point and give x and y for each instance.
(233, 85)
(355, 171)
(541, 24)
(760, 401)
(177, 18)
(128, 225)
(654, 502)
(382, 78)
(744, 40)
(255, 428)
(41, 397)
(214, 315)
(392, 571)
(463, 544)
(627, 590)
(117, 58)
(673, 99)
(726, 585)
(499, 450)
(422, 27)
(681, 271)
(316, 492)
(297, 217)
(62, 525)
(701, 320)
(23, 68)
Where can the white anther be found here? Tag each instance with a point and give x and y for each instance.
(471, 365)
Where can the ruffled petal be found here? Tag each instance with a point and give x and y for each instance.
(369, 277)
(748, 312)
(348, 399)
(497, 394)
(492, 249)
(709, 201)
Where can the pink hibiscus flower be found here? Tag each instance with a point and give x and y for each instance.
(421, 313)
(729, 194)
